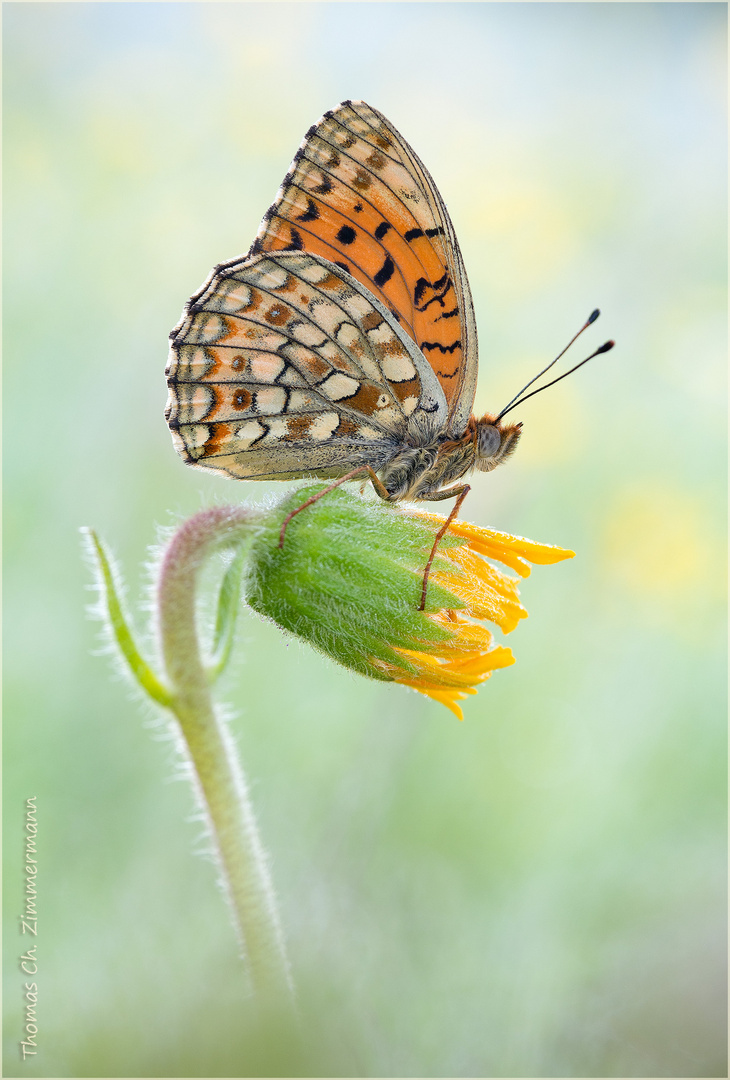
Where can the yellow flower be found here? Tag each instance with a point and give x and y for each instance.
(348, 579)
(468, 657)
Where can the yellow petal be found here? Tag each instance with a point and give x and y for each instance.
(447, 698)
(449, 670)
(479, 664)
(487, 593)
(505, 548)
(468, 636)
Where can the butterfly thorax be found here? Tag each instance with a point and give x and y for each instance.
(423, 471)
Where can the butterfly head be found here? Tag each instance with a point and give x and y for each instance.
(494, 442)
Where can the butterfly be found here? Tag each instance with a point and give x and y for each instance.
(346, 337)
(344, 342)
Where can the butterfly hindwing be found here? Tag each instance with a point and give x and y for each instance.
(358, 195)
(283, 365)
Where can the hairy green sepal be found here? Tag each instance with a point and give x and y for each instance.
(348, 578)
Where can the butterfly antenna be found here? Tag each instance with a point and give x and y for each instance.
(606, 347)
(518, 396)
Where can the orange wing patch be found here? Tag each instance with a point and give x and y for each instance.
(357, 195)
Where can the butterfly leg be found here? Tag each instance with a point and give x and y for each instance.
(377, 484)
(459, 489)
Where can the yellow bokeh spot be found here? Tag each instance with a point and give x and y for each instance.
(538, 229)
(661, 542)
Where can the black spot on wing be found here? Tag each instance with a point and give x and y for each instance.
(297, 244)
(385, 272)
(310, 214)
(423, 283)
(346, 235)
(382, 229)
(325, 187)
(413, 234)
(439, 299)
(424, 345)
(343, 266)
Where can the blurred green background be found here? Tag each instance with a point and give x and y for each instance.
(540, 890)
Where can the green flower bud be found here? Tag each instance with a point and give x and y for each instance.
(348, 580)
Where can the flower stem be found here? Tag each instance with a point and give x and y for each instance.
(217, 771)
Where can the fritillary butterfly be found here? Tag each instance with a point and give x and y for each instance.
(345, 340)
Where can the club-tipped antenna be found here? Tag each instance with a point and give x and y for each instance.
(518, 396)
(606, 347)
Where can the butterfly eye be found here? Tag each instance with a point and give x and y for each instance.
(488, 441)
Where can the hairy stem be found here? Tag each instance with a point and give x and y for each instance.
(217, 770)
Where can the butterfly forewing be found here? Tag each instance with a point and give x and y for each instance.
(282, 366)
(359, 196)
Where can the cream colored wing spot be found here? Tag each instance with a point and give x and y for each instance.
(323, 426)
(231, 297)
(314, 272)
(388, 414)
(300, 401)
(268, 275)
(265, 367)
(307, 333)
(356, 305)
(409, 405)
(338, 386)
(326, 314)
(351, 339)
(248, 433)
(277, 430)
(271, 400)
(398, 368)
(370, 368)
